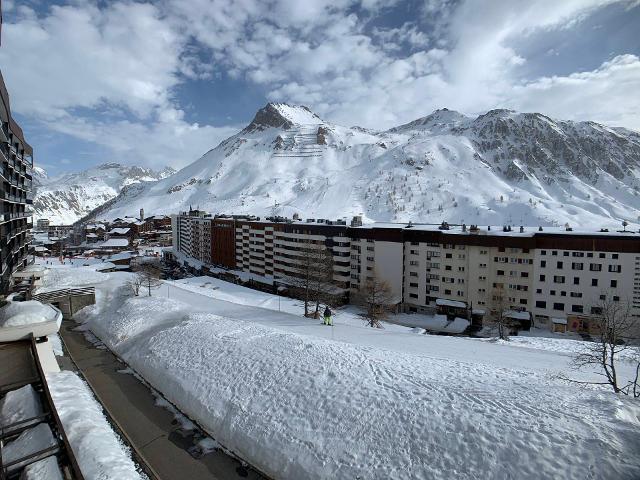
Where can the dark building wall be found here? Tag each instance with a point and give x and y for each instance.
(15, 193)
(223, 243)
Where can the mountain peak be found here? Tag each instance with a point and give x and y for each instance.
(439, 119)
(282, 115)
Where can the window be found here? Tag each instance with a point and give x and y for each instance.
(447, 292)
(543, 263)
(370, 259)
(566, 254)
(543, 252)
(594, 282)
(558, 264)
(524, 274)
(542, 278)
(595, 267)
(447, 267)
(541, 304)
(615, 268)
(614, 283)
(563, 293)
(576, 280)
(554, 252)
(603, 255)
(576, 294)
(590, 254)
(614, 256)
(603, 297)
(577, 266)
(414, 262)
(596, 310)
(413, 284)
(448, 255)
(552, 292)
(413, 274)
(414, 252)
(523, 301)
(461, 269)
(538, 290)
(616, 298)
(500, 272)
(558, 279)
(576, 308)
(558, 306)
(413, 295)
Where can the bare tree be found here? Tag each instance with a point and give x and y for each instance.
(150, 276)
(313, 275)
(497, 313)
(377, 299)
(615, 331)
(135, 283)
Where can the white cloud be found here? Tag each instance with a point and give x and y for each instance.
(607, 94)
(125, 60)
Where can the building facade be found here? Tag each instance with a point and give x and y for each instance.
(16, 156)
(551, 273)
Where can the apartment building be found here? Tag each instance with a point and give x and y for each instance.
(549, 273)
(192, 235)
(273, 248)
(16, 156)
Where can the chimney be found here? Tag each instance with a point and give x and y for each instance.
(142, 214)
(356, 221)
(521, 229)
(296, 217)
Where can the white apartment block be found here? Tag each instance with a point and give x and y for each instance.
(550, 273)
(192, 235)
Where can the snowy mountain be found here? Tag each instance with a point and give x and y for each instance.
(500, 167)
(63, 200)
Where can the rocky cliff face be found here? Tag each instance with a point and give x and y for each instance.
(499, 167)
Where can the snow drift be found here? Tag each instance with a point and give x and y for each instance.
(298, 406)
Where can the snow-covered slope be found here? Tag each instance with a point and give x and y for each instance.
(500, 167)
(63, 200)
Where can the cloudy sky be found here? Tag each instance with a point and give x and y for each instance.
(159, 83)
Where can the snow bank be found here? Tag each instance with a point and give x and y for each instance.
(25, 313)
(45, 469)
(99, 451)
(297, 406)
(18, 405)
(30, 441)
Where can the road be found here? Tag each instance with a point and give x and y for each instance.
(152, 430)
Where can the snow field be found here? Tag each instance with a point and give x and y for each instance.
(295, 405)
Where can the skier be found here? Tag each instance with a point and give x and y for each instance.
(327, 316)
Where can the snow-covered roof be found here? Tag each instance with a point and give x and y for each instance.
(517, 315)
(115, 242)
(121, 256)
(497, 230)
(440, 323)
(450, 303)
(119, 231)
(92, 235)
(559, 321)
(105, 266)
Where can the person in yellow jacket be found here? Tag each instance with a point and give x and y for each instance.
(327, 316)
